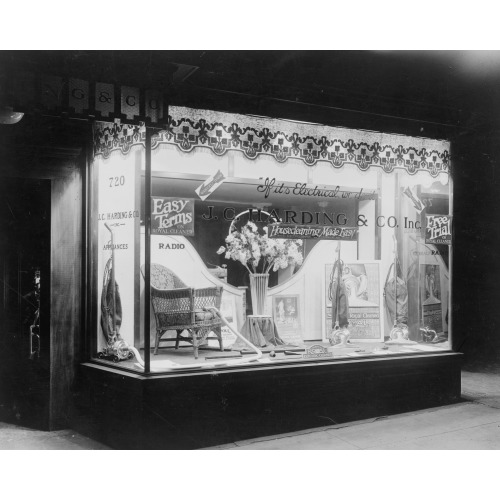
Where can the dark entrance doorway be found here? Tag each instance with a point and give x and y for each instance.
(24, 289)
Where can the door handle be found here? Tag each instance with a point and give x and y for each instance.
(34, 342)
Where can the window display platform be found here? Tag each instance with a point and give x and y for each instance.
(170, 359)
(189, 410)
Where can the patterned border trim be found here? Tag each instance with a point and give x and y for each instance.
(109, 137)
(221, 132)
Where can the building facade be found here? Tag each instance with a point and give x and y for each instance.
(215, 268)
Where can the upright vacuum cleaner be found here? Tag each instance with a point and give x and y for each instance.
(116, 348)
(396, 300)
(339, 337)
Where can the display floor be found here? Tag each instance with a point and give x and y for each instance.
(169, 358)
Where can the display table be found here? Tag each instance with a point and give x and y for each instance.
(260, 331)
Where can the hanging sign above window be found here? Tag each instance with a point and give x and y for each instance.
(210, 185)
(415, 200)
(172, 216)
(311, 231)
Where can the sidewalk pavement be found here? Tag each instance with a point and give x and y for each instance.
(14, 437)
(473, 424)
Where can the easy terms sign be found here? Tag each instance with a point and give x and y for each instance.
(172, 216)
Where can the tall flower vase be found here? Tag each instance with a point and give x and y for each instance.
(258, 289)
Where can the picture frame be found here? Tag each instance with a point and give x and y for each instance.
(287, 318)
(364, 288)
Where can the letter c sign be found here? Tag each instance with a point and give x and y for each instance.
(130, 102)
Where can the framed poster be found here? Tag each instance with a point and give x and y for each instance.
(363, 288)
(286, 314)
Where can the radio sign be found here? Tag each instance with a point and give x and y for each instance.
(438, 229)
(172, 216)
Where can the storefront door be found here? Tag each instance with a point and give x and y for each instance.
(24, 285)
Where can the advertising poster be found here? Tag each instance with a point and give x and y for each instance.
(286, 313)
(172, 216)
(438, 229)
(362, 285)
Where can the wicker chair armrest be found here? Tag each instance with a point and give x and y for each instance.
(209, 290)
(209, 296)
(172, 293)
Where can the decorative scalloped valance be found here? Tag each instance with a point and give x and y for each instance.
(255, 136)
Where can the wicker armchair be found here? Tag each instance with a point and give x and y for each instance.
(181, 308)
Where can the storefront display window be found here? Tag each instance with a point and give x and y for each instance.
(116, 224)
(270, 242)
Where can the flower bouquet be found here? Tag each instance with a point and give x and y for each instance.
(260, 254)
